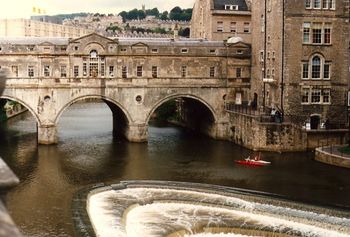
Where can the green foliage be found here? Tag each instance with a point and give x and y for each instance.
(113, 28)
(180, 14)
(166, 111)
(134, 14)
(152, 12)
(345, 150)
(175, 14)
(164, 16)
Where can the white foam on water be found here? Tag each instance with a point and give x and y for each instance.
(168, 211)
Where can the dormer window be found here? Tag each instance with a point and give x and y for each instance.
(231, 7)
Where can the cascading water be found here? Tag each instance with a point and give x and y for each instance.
(133, 209)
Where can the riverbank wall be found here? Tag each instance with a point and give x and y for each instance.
(255, 133)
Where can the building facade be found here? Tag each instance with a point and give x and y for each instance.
(34, 28)
(221, 19)
(300, 59)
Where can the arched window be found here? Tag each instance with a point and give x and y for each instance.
(316, 67)
(96, 64)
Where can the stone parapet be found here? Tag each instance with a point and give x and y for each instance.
(331, 156)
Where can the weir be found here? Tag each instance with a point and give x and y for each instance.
(157, 208)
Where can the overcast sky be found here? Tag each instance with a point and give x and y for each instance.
(24, 8)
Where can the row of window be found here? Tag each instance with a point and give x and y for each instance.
(317, 33)
(233, 27)
(316, 68)
(95, 72)
(313, 95)
(320, 4)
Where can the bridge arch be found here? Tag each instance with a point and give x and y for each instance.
(110, 102)
(175, 96)
(30, 109)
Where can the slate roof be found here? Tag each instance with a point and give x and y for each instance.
(220, 4)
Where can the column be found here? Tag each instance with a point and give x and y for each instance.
(47, 134)
(137, 133)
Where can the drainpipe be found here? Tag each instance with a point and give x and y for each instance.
(283, 45)
(265, 46)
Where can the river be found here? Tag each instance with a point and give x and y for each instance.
(87, 154)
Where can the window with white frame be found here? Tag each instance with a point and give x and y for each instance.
(305, 74)
(231, 7)
(317, 33)
(124, 72)
(47, 70)
(111, 71)
(76, 71)
(316, 4)
(307, 4)
(63, 71)
(316, 68)
(320, 4)
(315, 95)
(84, 69)
(233, 27)
(246, 27)
(220, 26)
(30, 71)
(306, 32)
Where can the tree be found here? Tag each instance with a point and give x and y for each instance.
(175, 13)
(152, 12)
(164, 16)
(124, 15)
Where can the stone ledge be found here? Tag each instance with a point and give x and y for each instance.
(7, 180)
(336, 159)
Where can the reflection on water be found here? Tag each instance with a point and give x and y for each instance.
(88, 154)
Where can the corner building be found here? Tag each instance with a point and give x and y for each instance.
(300, 59)
(221, 20)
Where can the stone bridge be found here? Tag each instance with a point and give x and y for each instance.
(133, 77)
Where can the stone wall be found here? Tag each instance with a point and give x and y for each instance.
(248, 131)
(255, 133)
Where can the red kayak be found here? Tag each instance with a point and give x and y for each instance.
(253, 162)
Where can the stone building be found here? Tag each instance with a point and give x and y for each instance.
(300, 59)
(221, 19)
(34, 28)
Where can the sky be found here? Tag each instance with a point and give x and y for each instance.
(24, 8)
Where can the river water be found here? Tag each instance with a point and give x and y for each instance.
(87, 154)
